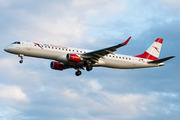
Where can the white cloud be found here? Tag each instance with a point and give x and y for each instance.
(62, 31)
(128, 106)
(70, 93)
(9, 65)
(95, 85)
(63, 23)
(12, 93)
(89, 97)
(7, 113)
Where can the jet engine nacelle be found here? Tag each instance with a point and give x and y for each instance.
(57, 65)
(73, 58)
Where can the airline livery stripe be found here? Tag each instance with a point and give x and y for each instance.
(146, 55)
(159, 40)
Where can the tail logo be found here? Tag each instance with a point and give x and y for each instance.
(156, 48)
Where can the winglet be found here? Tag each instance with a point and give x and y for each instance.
(124, 43)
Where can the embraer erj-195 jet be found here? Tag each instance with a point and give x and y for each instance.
(66, 57)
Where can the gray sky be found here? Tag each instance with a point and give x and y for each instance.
(32, 91)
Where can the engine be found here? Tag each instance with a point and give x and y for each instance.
(73, 58)
(57, 65)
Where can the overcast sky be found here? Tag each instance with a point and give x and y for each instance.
(33, 91)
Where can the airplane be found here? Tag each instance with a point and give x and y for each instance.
(67, 57)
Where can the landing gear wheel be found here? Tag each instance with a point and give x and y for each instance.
(89, 68)
(21, 56)
(78, 73)
(21, 61)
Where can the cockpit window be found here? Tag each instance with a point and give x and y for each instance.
(16, 43)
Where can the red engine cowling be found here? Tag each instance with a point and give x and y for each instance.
(57, 65)
(73, 58)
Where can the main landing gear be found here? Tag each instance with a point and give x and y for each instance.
(21, 56)
(78, 73)
(88, 65)
(88, 68)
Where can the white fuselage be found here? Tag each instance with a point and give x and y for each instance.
(58, 53)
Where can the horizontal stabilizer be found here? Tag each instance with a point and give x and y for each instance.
(161, 60)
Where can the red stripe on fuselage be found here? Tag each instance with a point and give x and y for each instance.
(146, 55)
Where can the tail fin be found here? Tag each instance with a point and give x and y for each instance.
(152, 53)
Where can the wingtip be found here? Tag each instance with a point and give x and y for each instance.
(124, 43)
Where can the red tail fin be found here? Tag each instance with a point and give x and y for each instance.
(152, 53)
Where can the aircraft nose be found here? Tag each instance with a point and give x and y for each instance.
(6, 49)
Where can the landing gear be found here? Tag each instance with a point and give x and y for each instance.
(21, 61)
(88, 65)
(89, 68)
(78, 73)
(21, 56)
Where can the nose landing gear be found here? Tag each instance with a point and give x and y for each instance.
(21, 56)
(21, 61)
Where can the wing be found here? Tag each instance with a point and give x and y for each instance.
(95, 55)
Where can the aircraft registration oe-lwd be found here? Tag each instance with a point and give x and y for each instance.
(66, 57)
